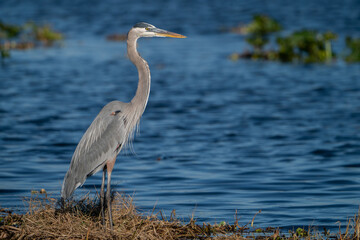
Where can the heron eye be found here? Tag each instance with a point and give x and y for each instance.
(147, 28)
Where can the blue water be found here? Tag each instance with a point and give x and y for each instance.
(217, 135)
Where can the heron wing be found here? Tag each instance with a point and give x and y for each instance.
(101, 142)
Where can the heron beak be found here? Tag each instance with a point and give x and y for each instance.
(163, 33)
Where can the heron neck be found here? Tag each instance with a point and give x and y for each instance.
(141, 97)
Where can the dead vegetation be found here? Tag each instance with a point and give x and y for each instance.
(81, 220)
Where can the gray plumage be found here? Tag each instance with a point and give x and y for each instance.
(103, 140)
(143, 25)
(114, 126)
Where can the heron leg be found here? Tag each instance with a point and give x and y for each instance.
(102, 195)
(108, 200)
(109, 167)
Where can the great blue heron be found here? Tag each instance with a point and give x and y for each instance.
(113, 127)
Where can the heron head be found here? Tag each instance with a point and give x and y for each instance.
(147, 30)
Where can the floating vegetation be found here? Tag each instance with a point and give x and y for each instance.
(308, 46)
(46, 219)
(44, 33)
(304, 46)
(9, 31)
(4, 52)
(261, 24)
(27, 36)
(116, 37)
(353, 45)
(258, 32)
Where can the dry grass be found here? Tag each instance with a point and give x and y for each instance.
(81, 220)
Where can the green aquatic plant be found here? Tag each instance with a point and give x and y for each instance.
(260, 24)
(257, 42)
(9, 31)
(27, 36)
(308, 46)
(328, 37)
(286, 51)
(263, 24)
(259, 30)
(305, 46)
(43, 33)
(353, 45)
(4, 53)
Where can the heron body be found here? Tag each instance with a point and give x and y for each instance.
(114, 126)
(101, 142)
